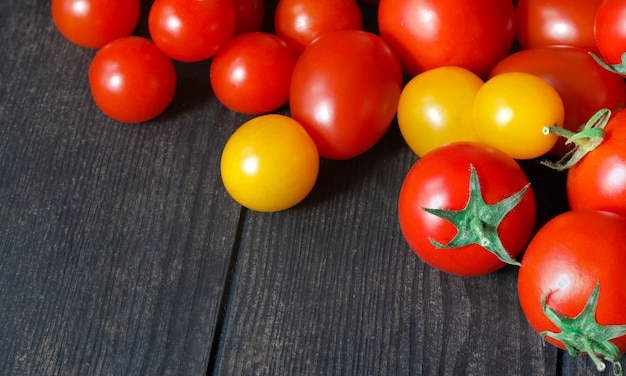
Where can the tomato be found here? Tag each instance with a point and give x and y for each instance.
(428, 34)
(569, 257)
(299, 22)
(610, 33)
(249, 15)
(494, 222)
(542, 23)
(344, 90)
(191, 30)
(252, 73)
(592, 89)
(269, 163)
(598, 180)
(94, 23)
(511, 110)
(435, 108)
(131, 80)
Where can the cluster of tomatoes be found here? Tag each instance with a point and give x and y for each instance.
(467, 105)
(466, 207)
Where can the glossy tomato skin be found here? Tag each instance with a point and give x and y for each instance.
(299, 22)
(269, 163)
(191, 30)
(435, 108)
(593, 88)
(598, 180)
(428, 34)
(567, 257)
(511, 110)
(610, 33)
(344, 91)
(542, 23)
(252, 73)
(440, 180)
(131, 80)
(94, 23)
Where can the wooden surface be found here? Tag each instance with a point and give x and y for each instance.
(122, 254)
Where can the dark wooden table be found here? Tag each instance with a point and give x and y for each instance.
(122, 254)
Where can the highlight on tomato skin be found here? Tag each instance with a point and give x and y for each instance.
(598, 180)
(191, 30)
(246, 83)
(544, 23)
(574, 256)
(427, 34)
(344, 91)
(435, 108)
(511, 110)
(94, 23)
(610, 33)
(442, 180)
(131, 80)
(584, 86)
(269, 163)
(299, 22)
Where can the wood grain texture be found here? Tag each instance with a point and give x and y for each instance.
(122, 254)
(115, 239)
(332, 288)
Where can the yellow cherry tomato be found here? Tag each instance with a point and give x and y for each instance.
(270, 163)
(511, 110)
(435, 108)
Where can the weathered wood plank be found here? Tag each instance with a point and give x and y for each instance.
(116, 247)
(583, 365)
(115, 240)
(332, 288)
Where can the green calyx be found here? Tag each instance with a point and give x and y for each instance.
(588, 137)
(583, 333)
(615, 68)
(478, 222)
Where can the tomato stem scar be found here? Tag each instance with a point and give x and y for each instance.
(583, 333)
(478, 222)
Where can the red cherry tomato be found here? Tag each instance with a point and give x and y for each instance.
(131, 80)
(428, 34)
(440, 180)
(299, 22)
(191, 30)
(251, 74)
(592, 89)
(344, 91)
(542, 23)
(569, 258)
(610, 32)
(598, 180)
(250, 15)
(94, 23)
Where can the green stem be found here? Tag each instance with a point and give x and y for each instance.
(589, 137)
(582, 333)
(478, 222)
(600, 366)
(615, 68)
